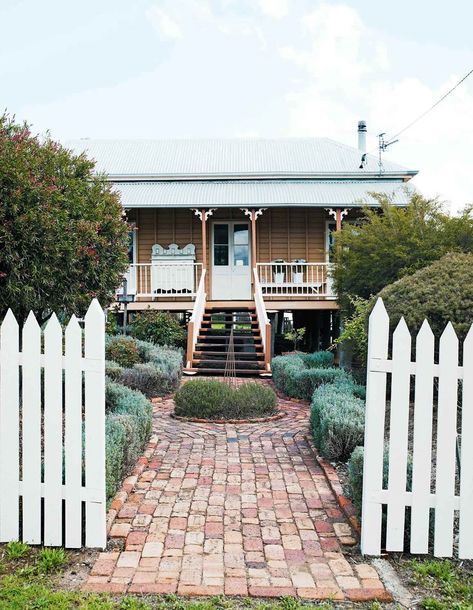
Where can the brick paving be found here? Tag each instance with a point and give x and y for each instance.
(236, 509)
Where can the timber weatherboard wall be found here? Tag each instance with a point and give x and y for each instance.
(286, 233)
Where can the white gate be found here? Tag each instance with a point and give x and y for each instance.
(449, 489)
(52, 431)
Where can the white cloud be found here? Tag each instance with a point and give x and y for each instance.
(345, 64)
(166, 26)
(274, 8)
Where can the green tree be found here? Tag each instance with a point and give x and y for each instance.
(159, 327)
(391, 242)
(441, 292)
(63, 240)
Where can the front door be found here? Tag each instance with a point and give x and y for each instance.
(231, 258)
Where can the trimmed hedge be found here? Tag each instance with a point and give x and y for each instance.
(297, 375)
(318, 360)
(146, 378)
(152, 369)
(127, 429)
(355, 490)
(113, 370)
(441, 292)
(211, 399)
(337, 419)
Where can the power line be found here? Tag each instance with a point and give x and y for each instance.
(383, 144)
(430, 109)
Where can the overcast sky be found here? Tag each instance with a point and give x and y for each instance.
(269, 68)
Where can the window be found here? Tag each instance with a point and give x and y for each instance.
(330, 241)
(221, 245)
(131, 246)
(240, 245)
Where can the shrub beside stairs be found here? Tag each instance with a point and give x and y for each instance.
(213, 347)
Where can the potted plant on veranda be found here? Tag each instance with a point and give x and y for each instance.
(278, 270)
(298, 270)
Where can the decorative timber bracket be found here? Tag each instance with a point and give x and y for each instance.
(249, 212)
(333, 212)
(338, 214)
(206, 213)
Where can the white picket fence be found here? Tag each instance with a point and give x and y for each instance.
(452, 494)
(46, 435)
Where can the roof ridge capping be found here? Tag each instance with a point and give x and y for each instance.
(234, 158)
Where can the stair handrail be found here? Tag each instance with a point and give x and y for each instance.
(196, 318)
(263, 320)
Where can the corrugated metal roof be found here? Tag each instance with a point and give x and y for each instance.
(264, 193)
(230, 157)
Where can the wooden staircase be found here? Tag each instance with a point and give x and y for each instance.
(211, 349)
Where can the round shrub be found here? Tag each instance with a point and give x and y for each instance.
(355, 488)
(122, 400)
(283, 368)
(303, 383)
(211, 399)
(318, 360)
(168, 360)
(441, 292)
(115, 450)
(122, 350)
(146, 378)
(338, 421)
(254, 400)
(158, 327)
(113, 370)
(203, 398)
(127, 429)
(355, 478)
(299, 375)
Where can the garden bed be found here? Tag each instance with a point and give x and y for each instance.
(254, 420)
(136, 372)
(207, 400)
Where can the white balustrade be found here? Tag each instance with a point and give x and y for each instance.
(296, 279)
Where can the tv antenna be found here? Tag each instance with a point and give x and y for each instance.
(382, 148)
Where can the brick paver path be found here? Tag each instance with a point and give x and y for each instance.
(235, 509)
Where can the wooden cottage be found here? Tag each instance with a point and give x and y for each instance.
(234, 233)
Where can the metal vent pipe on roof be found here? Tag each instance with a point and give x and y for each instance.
(362, 136)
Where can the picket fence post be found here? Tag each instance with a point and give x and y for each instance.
(378, 334)
(9, 429)
(50, 415)
(419, 494)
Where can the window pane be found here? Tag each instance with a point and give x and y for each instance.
(331, 240)
(240, 256)
(220, 255)
(220, 234)
(240, 234)
(131, 235)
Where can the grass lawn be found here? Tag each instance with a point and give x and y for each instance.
(447, 586)
(31, 579)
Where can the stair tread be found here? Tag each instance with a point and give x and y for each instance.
(229, 321)
(257, 347)
(235, 337)
(222, 371)
(225, 353)
(229, 314)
